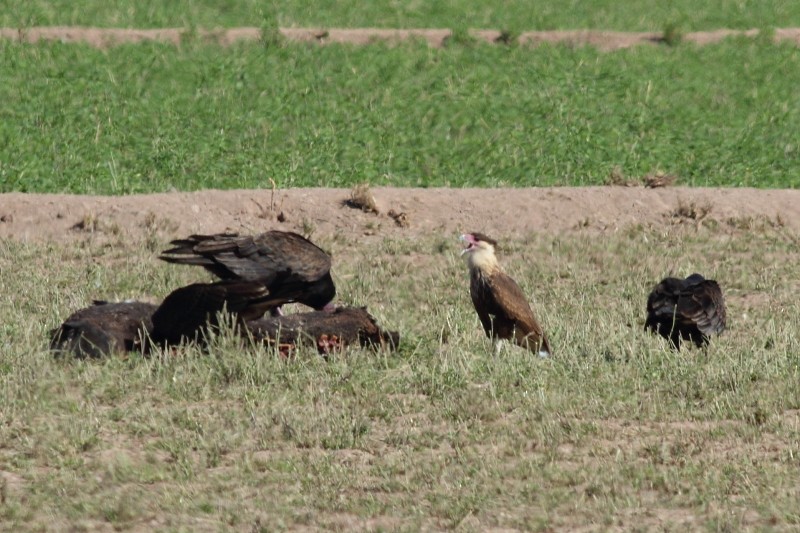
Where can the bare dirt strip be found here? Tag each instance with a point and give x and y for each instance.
(603, 40)
(402, 212)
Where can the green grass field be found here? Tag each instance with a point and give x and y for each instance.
(646, 15)
(152, 117)
(615, 431)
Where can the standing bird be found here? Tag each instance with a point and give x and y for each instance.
(501, 305)
(690, 309)
(290, 266)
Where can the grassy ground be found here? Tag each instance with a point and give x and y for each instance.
(646, 15)
(154, 117)
(615, 431)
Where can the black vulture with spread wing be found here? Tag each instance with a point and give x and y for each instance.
(290, 266)
(691, 309)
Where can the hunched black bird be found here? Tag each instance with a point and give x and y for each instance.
(104, 328)
(291, 267)
(691, 309)
(187, 313)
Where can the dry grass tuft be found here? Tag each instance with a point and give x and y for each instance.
(92, 223)
(89, 223)
(761, 222)
(692, 211)
(400, 218)
(154, 223)
(652, 181)
(361, 198)
(659, 179)
(617, 178)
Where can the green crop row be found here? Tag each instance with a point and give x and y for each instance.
(153, 117)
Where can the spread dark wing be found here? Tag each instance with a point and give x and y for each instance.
(294, 253)
(269, 258)
(226, 255)
(703, 306)
(188, 310)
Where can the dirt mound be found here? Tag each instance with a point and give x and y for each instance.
(324, 212)
(603, 40)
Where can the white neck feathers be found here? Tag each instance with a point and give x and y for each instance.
(483, 259)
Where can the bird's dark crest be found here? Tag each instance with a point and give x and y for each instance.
(481, 237)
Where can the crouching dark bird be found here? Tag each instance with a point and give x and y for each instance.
(187, 313)
(691, 309)
(502, 307)
(290, 266)
(103, 329)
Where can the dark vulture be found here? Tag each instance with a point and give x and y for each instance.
(691, 309)
(328, 331)
(502, 307)
(188, 312)
(103, 329)
(290, 266)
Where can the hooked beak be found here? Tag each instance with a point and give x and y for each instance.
(468, 240)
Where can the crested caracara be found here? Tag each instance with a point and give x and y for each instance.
(290, 266)
(502, 307)
(690, 309)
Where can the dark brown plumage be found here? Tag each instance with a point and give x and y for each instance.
(290, 266)
(187, 313)
(103, 329)
(502, 307)
(326, 330)
(691, 309)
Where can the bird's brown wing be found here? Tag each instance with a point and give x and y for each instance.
(703, 306)
(268, 257)
(294, 253)
(512, 304)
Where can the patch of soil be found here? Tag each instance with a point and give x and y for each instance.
(321, 212)
(603, 40)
